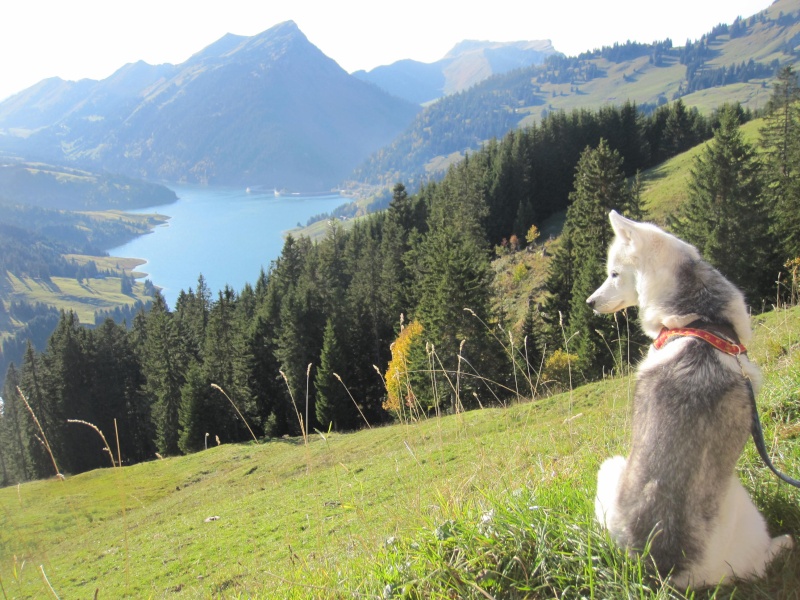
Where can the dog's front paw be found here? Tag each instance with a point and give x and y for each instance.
(607, 484)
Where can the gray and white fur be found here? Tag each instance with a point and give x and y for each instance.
(677, 490)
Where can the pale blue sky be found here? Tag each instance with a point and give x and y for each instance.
(92, 38)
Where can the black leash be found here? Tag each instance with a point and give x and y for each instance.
(724, 338)
(758, 438)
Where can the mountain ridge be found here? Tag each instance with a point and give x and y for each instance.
(705, 74)
(469, 62)
(269, 109)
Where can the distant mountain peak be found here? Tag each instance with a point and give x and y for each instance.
(269, 109)
(468, 46)
(469, 62)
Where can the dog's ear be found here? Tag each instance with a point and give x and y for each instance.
(624, 228)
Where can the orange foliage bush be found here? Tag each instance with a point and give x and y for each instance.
(398, 387)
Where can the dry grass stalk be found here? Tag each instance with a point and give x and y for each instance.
(44, 437)
(353, 399)
(124, 511)
(459, 404)
(308, 380)
(106, 447)
(294, 405)
(50, 587)
(236, 408)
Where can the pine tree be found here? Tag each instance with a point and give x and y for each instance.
(576, 270)
(14, 433)
(333, 405)
(725, 215)
(32, 384)
(164, 364)
(780, 140)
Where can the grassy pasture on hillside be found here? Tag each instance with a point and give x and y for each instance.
(66, 293)
(666, 186)
(494, 503)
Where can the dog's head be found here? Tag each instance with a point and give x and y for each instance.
(619, 289)
(638, 249)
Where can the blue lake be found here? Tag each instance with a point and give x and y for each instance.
(228, 235)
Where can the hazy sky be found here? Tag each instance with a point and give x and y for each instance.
(75, 39)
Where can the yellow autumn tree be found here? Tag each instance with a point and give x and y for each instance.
(557, 367)
(398, 387)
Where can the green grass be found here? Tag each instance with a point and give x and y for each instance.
(114, 264)
(490, 503)
(84, 299)
(66, 293)
(666, 186)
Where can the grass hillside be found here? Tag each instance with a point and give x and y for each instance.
(494, 503)
(641, 81)
(89, 295)
(666, 186)
(84, 298)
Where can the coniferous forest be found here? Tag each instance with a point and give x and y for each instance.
(392, 318)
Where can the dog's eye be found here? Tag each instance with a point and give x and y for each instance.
(614, 275)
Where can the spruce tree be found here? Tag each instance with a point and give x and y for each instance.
(66, 362)
(221, 366)
(32, 381)
(164, 364)
(395, 276)
(780, 141)
(115, 391)
(197, 412)
(576, 269)
(725, 215)
(191, 317)
(453, 275)
(14, 434)
(333, 405)
(367, 324)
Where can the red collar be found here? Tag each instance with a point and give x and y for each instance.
(719, 343)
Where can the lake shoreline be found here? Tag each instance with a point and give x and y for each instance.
(228, 235)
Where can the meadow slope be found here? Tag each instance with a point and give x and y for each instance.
(490, 503)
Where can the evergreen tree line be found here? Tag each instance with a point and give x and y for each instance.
(554, 143)
(700, 77)
(307, 346)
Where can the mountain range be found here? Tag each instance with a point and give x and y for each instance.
(272, 110)
(468, 63)
(268, 110)
(734, 62)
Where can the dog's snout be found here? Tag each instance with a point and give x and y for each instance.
(590, 301)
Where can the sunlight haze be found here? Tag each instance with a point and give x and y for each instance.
(92, 39)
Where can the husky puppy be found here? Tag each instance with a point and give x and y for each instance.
(677, 491)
